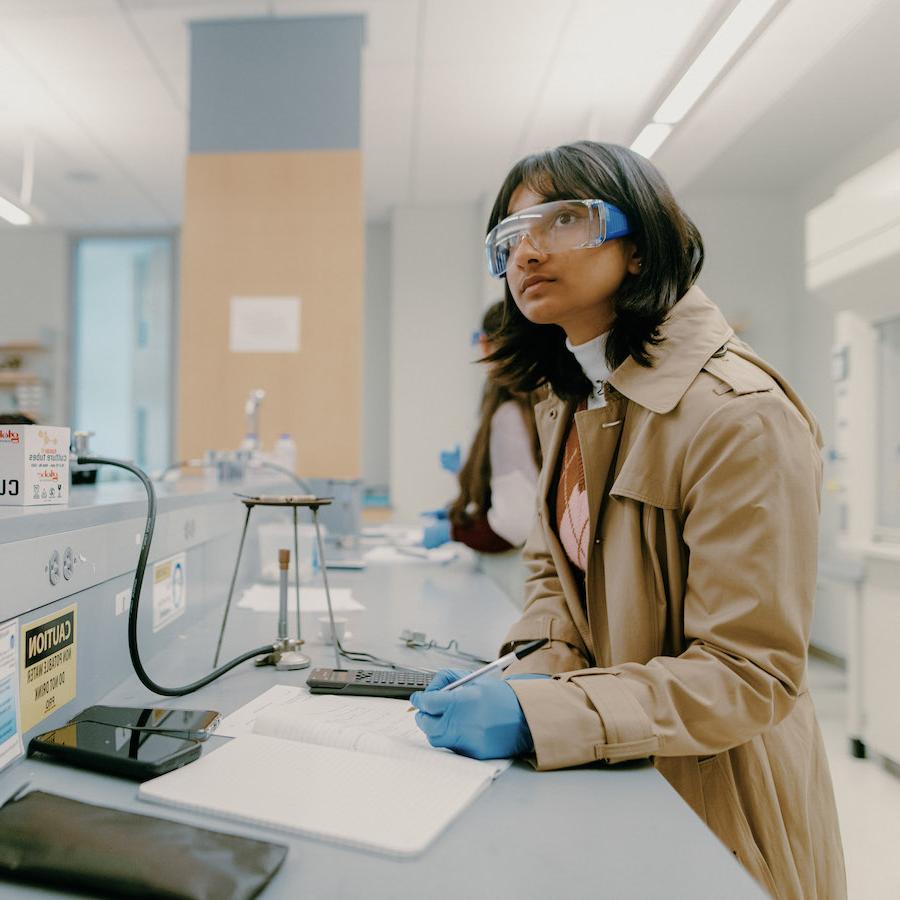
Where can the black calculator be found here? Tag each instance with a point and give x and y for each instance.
(368, 682)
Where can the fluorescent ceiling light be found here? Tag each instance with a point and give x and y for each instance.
(13, 214)
(650, 138)
(712, 59)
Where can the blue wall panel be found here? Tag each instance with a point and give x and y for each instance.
(264, 85)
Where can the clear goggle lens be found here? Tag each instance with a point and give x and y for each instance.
(552, 227)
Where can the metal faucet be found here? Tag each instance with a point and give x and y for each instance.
(81, 444)
(251, 410)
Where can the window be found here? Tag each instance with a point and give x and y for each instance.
(123, 346)
(888, 491)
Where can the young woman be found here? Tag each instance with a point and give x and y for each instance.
(493, 511)
(673, 563)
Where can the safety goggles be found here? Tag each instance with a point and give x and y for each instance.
(551, 227)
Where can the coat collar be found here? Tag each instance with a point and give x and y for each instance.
(694, 329)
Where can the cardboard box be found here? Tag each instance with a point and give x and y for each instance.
(34, 465)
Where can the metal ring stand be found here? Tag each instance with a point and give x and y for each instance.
(313, 504)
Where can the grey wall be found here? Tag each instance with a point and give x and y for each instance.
(437, 303)
(751, 266)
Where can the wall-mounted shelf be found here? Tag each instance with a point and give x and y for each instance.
(23, 347)
(26, 372)
(14, 378)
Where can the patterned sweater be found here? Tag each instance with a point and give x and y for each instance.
(572, 522)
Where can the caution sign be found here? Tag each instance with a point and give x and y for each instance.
(48, 665)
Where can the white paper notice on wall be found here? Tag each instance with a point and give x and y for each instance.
(265, 325)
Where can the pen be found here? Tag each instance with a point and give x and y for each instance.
(498, 664)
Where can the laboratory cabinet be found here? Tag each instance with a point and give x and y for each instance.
(658, 847)
(879, 660)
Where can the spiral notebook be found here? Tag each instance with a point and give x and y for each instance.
(352, 770)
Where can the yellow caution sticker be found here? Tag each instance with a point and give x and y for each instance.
(48, 665)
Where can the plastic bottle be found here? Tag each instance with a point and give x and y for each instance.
(286, 452)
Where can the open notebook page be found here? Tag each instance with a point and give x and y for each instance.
(388, 805)
(376, 725)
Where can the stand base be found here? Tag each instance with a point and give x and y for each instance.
(293, 659)
(285, 656)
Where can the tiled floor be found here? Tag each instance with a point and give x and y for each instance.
(868, 796)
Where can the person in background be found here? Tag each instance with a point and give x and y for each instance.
(494, 509)
(672, 567)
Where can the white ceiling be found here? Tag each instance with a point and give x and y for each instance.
(847, 94)
(453, 91)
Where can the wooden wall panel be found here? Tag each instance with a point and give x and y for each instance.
(275, 224)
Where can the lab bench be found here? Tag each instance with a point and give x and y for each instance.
(603, 831)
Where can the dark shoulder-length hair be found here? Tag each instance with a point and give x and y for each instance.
(668, 244)
(474, 498)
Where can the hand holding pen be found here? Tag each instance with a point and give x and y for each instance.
(498, 665)
(484, 721)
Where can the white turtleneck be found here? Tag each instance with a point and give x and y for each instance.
(592, 359)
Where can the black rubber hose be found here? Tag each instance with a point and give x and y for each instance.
(133, 650)
(172, 467)
(300, 482)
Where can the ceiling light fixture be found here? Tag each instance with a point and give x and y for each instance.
(650, 138)
(709, 63)
(13, 214)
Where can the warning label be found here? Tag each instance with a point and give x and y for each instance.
(169, 590)
(48, 665)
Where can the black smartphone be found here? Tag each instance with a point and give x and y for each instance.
(126, 752)
(197, 724)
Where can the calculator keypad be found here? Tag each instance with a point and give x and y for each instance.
(373, 682)
(391, 677)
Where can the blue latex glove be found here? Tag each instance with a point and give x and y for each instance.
(482, 719)
(436, 534)
(451, 460)
(443, 678)
(441, 513)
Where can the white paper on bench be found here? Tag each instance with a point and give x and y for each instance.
(395, 806)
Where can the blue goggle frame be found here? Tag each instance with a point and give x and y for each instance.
(601, 222)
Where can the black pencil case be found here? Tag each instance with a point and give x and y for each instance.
(72, 846)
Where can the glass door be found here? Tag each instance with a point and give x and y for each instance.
(123, 346)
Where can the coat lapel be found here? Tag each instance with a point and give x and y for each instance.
(551, 417)
(599, 433)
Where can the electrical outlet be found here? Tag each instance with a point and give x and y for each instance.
(122, 600)
(53, 567)
(68, 563)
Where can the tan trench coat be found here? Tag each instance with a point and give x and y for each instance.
(703, 477)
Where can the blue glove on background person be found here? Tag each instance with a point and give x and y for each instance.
(451, 460)
(436, 534)
(482, 719)
(442, 513)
